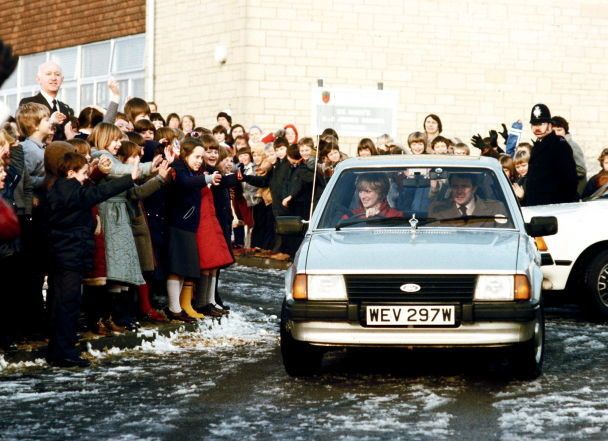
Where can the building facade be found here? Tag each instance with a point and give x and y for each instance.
(474, 63)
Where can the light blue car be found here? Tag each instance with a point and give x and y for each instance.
(415, 251)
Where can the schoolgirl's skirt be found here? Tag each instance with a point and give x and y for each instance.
(183, 258)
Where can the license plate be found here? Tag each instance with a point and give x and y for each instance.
(428, 315)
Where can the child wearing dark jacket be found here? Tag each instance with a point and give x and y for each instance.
(71, 227)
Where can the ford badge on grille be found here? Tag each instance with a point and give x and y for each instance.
(410, 287)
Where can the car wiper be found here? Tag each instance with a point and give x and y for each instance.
(370, 220)
(498, 218)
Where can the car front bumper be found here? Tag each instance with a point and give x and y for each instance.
(477, 325)
(466, 335)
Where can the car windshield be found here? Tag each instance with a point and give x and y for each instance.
(433, 196)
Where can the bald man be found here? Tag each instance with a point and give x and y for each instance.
(50, 78)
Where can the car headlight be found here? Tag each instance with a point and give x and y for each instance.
(495, 288)
(319, 287)
(503, 288)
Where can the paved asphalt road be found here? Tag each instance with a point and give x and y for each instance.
(227, 382)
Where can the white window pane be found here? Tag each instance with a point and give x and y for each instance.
(137, 88)
(66, 58)
(11, 102)
(69, 96)
(86, 95)
(29, 68)
(101, 93)
(128, 54)
(95, 59)
(124, 92)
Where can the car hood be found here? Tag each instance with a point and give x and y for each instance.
(388, 250)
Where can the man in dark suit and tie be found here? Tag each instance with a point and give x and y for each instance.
(50, 78)
(464, 205)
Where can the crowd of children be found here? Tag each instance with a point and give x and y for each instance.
(134, 208)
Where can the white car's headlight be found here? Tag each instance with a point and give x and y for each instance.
(326, 287)
(497, 288)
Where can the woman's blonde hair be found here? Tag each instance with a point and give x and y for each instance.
(103, 134)
(6, 137)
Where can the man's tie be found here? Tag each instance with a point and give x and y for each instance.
(463, 209)
(54, 109)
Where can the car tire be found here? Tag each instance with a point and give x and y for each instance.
(529, 356)
(300, 359)
(596, 285)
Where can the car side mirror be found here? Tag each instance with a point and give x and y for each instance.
(542, 226)
(290, 225)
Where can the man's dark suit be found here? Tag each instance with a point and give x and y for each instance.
(62, 107)
(448, 210)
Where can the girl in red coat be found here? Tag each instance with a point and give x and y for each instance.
(214, 252)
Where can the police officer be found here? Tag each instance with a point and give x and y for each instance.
(551, 175)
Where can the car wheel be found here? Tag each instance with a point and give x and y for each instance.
(300, 359)
(596, 285)
(529, 356)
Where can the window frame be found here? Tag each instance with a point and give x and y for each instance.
(131, 75)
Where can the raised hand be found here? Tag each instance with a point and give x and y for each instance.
(477, 141)
(158, 159)
(135, 171)
(57, 118)
(505, 132)
(169, 154)
(164, 171)
(113, 86)
(493, 138)
(104, 165)
(216, 178)
(519, 191)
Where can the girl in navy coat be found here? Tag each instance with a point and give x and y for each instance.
(184, 215)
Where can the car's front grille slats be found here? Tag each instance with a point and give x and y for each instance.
(375, 287)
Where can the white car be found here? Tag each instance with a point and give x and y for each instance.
(415, 251)
(576, 258)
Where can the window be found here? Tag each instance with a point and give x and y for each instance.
(86, 71)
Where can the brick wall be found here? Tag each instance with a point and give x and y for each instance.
(40, 25)
(475, 63)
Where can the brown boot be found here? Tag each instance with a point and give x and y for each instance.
(100, 328)
(114, 327)
(185, 301)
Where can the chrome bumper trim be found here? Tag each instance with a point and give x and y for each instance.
(350, 334)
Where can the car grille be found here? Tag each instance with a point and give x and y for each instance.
(454, 288)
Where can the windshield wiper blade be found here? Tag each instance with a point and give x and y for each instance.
(371, 220)
(495, 217)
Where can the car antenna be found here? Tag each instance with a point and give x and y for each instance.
(314, 178)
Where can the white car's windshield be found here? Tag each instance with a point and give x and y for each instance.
(434, 196)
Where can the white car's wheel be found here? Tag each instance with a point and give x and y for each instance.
(300, 359)
(529, 356)
(596, 284)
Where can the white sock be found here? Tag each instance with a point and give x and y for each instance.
(174, 288)
(211, 290)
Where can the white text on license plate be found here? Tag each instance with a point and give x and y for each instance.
(428, 315)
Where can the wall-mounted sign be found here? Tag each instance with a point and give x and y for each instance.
(354, 112)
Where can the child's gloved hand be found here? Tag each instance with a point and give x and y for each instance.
(477, 141)
(505, 132)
